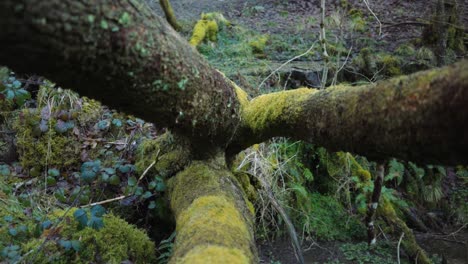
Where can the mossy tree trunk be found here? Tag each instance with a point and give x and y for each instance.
(119, 52)
(169, 12)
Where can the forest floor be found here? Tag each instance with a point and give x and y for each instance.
(295, 24)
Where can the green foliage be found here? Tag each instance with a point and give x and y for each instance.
(330, 221)
(165, 249)
(12, 89)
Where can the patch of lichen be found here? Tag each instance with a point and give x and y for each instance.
(116, 242)
(39, 149)
(212, 221)
(270, 109)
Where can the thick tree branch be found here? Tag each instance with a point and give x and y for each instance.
(120, 53)
(422, 117)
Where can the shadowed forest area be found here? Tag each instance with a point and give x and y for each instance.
(182, 131)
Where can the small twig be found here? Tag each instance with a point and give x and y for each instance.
(148, 168)
(342, 66)
(105, 201)
(398, 247)
(286, 63)
(375, 16)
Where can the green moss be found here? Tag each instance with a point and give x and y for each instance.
(330, 220)
(171, 155)
(406, 50)
(258, 44)
(390, 65)
(248, 188)
(211, 211)
(39, 149)
(409, 243)
(217, 218)
(214, 254)
(264, 110)
(204, 29)
(117, 241)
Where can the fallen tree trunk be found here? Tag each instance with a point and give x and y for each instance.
(215, 221)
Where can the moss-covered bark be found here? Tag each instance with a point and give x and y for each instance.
(421, 117)
(169, 12)
(213, 216)
(121, 53)
(410, 245)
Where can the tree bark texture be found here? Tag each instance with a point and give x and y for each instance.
(119, 52)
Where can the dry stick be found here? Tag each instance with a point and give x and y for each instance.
(323, 41)
(375, 16)
(291, 229)
(335, 78)
(374, 203)
(286, 63)
(398, 247)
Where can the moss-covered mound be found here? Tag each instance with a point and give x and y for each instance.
(117, 241)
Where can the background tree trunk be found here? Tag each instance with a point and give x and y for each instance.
(169, 12)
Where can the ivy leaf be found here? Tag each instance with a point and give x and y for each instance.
(160, 187)
(114, 180)
(152, 185)
(109, 171)
(131, 181)
(117, 122)
(45, 113)
(82, 217)
(76, 245)
(61, 127)
(146, 195)
(98, 211)
(125, 168)
(16, 84)
(53, 172)
(103, 124)
(4, 170)
(152, 205)
(96, 223)
(66, 244)
(13, 232)
(21, 96)
(44, 126)
(10, 94)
